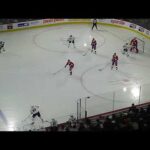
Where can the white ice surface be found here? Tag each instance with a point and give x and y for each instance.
(32, 56)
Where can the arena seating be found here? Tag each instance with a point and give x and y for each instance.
(134, 118)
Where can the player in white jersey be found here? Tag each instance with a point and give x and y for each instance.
(35, 113)
(71, 39)
(2, 46)
(126, 49)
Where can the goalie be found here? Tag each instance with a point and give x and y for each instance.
(134, 45)
(71, 39)
(2, 46)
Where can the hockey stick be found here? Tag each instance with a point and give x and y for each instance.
(101, 69)
(57, 71)
(26, 118)
(86, 52)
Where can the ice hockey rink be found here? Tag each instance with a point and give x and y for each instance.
(28, 73)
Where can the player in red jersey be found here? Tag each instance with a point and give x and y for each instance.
(114, 61)
(71, 66)
(93, 44)
(134, 45)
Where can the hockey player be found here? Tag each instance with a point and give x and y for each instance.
(71, 39)
(2, 46)
(134, 45)
(93, 44)
(35, 113)
(114, 61)
(71, 66)
(94, 24)
(53, 123)
(72, 121)
(125, 49)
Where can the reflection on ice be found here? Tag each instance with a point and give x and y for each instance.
(124, 89)
(135, 91)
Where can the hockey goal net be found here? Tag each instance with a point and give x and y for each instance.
(140, 45)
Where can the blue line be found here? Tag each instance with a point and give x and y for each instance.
(2, 116)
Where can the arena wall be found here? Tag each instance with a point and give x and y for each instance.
(53, 22)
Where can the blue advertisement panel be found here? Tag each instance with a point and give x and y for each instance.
(34, 22)
(23, 24)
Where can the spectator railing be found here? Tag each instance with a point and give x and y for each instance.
(114, 100)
